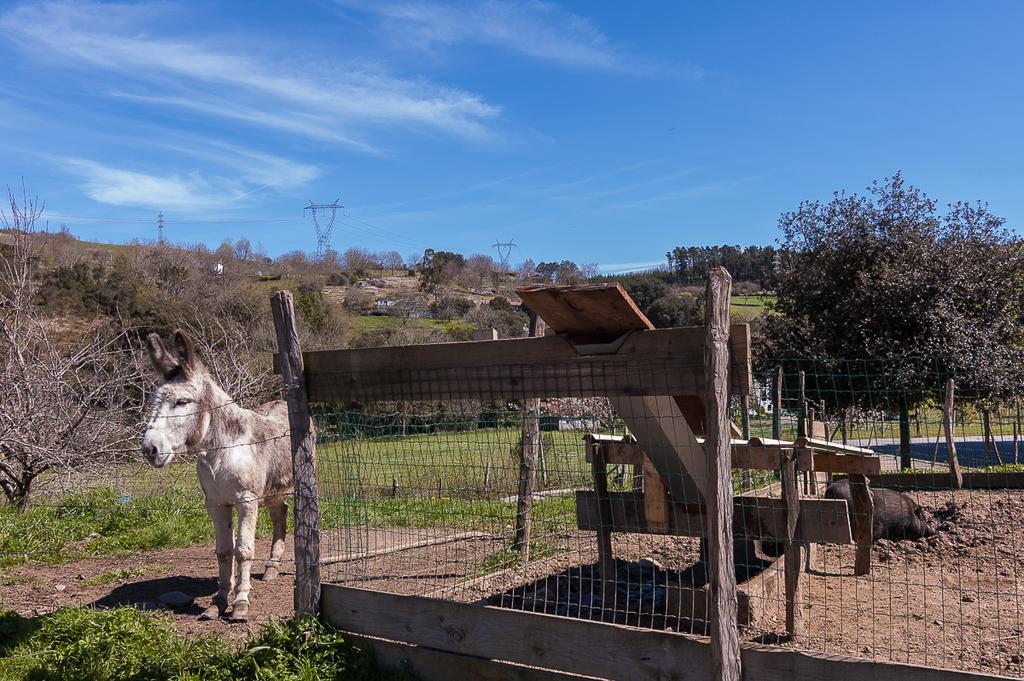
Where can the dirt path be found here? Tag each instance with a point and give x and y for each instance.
(140, 579)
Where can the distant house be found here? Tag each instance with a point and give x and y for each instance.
(385, 303)
(517, 305)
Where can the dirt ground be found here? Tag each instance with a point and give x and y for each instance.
(954, 600)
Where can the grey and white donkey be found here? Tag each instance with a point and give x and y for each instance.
(243, 460)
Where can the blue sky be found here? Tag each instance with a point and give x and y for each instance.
(598, 132)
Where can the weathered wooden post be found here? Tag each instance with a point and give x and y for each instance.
(791, 498)
(948, 416)
(863, 519)
(529, 447)
(725, 642)
(305, 502)
(906, 459)
(777, 406)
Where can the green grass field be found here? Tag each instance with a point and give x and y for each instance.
(438, 480)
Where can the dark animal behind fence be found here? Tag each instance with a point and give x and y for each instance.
(896, 515)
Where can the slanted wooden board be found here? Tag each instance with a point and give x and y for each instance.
(587, 648)
(663, 361)
(845, 463)
(668, 442)
(822, 521)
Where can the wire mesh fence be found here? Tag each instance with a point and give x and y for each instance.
(427, 498)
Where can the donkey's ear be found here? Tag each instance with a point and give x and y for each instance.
(164, 361)
(186, 352)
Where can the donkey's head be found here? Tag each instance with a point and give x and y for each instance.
(179, 415)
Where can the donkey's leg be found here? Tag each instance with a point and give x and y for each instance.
(221, 516)
(245, 540)
(279, 519)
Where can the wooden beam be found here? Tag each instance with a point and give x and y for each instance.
(767, 458)
(822, 521)
(829, 446)
(657, 510)
(666, 439)
(595, 649)
(305, 504)
(659, 362)
(845, 463)
(941, 480)
(427, 664)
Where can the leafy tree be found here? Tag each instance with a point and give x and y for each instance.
(564, 272)
(438, 268)
(886, 276)
(676, 310)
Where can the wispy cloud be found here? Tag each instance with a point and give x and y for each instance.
(539, 30)
(190, 191)
(336, 102)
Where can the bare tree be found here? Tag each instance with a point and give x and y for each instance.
(60, 397)
(391, 260)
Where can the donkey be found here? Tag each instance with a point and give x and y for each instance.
(244, 459)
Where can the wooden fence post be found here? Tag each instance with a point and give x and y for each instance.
(791, 498)
(948, 416)
(777, 406)
(725, 642)
(529, 448)
(863, 520)
(305, 503)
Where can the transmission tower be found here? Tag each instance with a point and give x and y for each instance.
(160, 228)
(504, 249)
(323, 232)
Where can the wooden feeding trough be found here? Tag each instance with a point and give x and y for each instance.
(667, 443)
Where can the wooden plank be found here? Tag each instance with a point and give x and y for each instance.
(863, 518)
(793, 594)
(744, 455)
(941, 481)
(589, 313)
(829, 446)
(768, 458)
(725, 636)
(657, 510)
(822, 521)
(427, 664)
(594, 649)
(305, 498)
(845, 463)
(663, 361)
(667, 440)
(616, 453)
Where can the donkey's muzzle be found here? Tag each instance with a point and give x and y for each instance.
(149, 452)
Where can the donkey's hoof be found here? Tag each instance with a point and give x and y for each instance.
(240, 612)
(270, 573)
(211, 613)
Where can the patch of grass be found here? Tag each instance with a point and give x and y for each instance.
(98, 522)
(123, 643)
